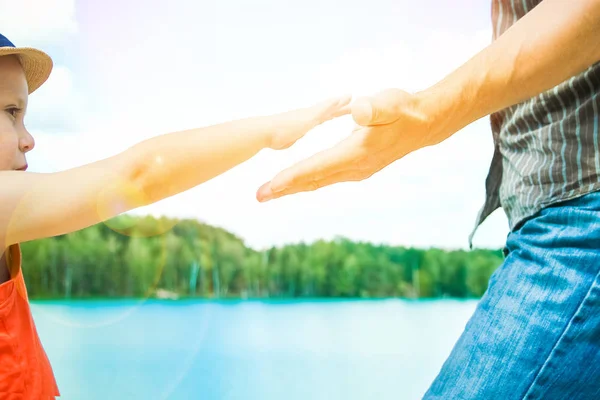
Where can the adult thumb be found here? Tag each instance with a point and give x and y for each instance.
(383, 108)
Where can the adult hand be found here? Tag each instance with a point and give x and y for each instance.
(391, 124)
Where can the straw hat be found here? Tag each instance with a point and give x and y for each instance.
(36, 64)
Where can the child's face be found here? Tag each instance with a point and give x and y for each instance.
(15, 140)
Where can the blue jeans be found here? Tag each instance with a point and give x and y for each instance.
(535, 333)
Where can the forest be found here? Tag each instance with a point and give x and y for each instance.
(140, 256)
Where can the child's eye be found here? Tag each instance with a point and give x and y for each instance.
(13, 111)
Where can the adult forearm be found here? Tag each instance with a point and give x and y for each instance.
(555, 41)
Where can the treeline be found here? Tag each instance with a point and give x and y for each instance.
(136, 256)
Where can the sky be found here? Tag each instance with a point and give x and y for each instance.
(126, 71)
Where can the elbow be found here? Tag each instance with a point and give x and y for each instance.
(144, 175)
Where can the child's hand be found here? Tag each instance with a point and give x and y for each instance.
(290, 126)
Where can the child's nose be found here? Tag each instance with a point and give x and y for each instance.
(26, 142)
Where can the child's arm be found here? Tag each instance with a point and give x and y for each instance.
(36, 205)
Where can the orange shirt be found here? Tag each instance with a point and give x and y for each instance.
(25, 372)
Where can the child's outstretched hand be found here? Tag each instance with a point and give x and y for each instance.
(290, 126)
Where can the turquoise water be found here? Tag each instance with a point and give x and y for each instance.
(388, 349)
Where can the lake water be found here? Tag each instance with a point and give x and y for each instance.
(251, 350)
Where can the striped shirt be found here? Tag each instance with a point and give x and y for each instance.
(546, 149)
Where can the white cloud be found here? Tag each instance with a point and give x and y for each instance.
(442, 52)
(37, 22)
(429, 198)
(409, 64)
(60, 121)
(58, 106)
